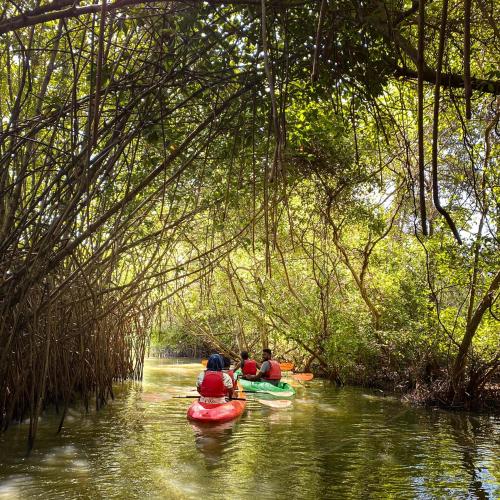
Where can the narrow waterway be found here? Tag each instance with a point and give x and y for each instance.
(330, 443)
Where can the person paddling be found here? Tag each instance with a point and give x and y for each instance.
(213, 384)
(270, 370)
(248, 366)
(227, 369)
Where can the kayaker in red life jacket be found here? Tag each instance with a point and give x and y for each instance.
(227, 369)
(213, 384)
(270, 370)
(248, 366)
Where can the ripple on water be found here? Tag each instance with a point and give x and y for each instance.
(12, 486)
(60, 455)
(331, 443)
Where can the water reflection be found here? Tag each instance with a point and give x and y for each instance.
(469, 432)
(212, 439)
(330, 443)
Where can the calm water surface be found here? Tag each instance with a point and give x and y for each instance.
(331, 443)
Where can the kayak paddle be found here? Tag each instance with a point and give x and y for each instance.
(275, 403)
(192, 397)
(303, 377)
(280, 403)
(286, 367)
(285, 394)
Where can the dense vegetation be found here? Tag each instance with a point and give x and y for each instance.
(319, 177)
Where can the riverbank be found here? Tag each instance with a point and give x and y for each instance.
(430, 393)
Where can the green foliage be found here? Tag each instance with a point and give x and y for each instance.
(178, 196)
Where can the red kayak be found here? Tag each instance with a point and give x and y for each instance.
(205, 412)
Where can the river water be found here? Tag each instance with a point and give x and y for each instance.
(330, 443)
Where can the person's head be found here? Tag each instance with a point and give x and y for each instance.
(266, 354)
(215, 363)
(244, 355)
(227, 363)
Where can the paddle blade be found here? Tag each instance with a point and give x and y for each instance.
(283, 394)
(303, 377)
(155, 397)
(204, 362)
(276, 403)
(287, 367)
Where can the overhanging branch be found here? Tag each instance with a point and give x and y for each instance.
(66, 9)
(451, 80)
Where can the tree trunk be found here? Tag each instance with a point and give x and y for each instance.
(457, 389)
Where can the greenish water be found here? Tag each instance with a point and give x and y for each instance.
(331, 443)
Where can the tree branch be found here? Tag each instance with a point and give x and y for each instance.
(452, 80)
(57, 10)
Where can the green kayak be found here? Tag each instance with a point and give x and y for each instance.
(282, 390)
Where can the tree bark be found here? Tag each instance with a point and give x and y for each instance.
(471, 329)
(435, 127)
(451, 80)
(420, 118)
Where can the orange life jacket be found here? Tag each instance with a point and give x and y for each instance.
(213, 385)
(274, 372)
(249, 367)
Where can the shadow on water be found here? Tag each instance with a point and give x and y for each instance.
(211, 439)
(469, 432)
